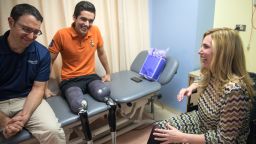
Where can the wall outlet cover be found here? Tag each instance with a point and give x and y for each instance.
(240, 27)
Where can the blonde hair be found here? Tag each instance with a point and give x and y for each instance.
(228, 60)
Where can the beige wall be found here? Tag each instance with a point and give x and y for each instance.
(228, 13)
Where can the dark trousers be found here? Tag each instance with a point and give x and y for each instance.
(74, 89)
(151, 137)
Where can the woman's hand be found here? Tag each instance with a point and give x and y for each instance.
(169, 135)
(186, 91)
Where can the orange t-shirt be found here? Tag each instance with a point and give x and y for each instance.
(78, 53)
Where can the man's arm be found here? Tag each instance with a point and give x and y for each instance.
(33, 100)
(48, 92)
(15, 124)
(53, 58)
(104, 61)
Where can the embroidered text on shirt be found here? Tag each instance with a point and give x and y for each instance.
(32, 61)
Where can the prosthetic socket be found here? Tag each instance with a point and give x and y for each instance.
(99, 91)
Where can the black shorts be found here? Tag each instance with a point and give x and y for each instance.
(81, 82)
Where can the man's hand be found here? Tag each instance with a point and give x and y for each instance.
(10, 131)
(13, 126)
(106, 78)
(22, 116)
(48, 93)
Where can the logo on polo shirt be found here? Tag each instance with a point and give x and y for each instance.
(92, 43)
(32, 61)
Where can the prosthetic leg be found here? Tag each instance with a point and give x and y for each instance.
(101, 92)
(112, 119)
(85, 122)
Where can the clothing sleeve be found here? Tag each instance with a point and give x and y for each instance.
(197, 79)
(56, 44)
(234, 116)
(44, 68)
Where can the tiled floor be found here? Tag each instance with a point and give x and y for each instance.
(140, 135)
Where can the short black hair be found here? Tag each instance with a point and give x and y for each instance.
(84, 6)
(25, 9)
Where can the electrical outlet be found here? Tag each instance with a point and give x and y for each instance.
(240, 27)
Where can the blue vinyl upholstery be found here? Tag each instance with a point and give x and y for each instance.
(123, 90)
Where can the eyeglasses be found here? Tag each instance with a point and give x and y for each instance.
(29, 30)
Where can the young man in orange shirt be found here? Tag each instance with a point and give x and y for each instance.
(77, 45)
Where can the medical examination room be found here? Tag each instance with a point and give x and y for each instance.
(127, 71)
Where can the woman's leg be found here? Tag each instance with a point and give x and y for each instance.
(151, 139)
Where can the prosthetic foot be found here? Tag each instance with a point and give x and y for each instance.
(85, 122)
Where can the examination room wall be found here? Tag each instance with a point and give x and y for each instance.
(239, 12)
(179, 25)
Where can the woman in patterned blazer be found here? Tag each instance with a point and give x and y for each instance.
(225, 100)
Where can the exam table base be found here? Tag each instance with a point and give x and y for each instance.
(128, 118)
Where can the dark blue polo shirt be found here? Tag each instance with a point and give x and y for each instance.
(19, 71)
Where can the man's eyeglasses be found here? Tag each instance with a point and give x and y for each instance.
(29, 30)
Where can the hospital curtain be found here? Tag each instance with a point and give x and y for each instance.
(124, 25)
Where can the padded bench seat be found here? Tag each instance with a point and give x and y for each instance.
(130, 90)
(63, 113)
(123, 90)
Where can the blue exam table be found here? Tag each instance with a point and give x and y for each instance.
(130, 97)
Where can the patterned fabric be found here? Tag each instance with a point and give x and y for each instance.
(222, 118)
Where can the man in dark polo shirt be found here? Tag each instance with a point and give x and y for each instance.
(24, 70)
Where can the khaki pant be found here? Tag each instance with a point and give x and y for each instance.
(43, 123)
